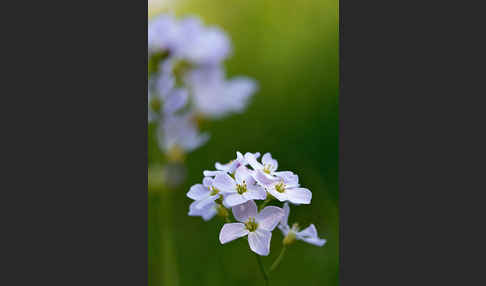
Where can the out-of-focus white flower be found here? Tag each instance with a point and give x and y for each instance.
(308, 235)
(258, 226)
(239, 190)
(164, 34)
(285, 187)
(175, 100)
(214, 96)
(179, 131)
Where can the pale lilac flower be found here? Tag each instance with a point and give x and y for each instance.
(258, 226)
(215, 96)
(179, 131)
(230, 167)
(285, 187)
(266, 170)
(164, 33)
(239, 190)
(204, 196)
(202, 45)
(308, 235)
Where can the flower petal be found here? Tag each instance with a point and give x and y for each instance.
(208, 181)
(243, 211)
(285, 219)
(224, 183)
(267, 160)
(259, 241)
(212, 173)
(309, 235)
(232, 231)
(252, 160)
(279, 196)
(299, 195)
(200, 204)
(206, 213)
(198, 192)
(289, 178)
(234, 200)
(269, 217)
(265, 179)
(244, 175)
(255, 193)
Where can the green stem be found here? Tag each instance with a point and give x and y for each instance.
(265, 202)
(279, 259)
(262, 269)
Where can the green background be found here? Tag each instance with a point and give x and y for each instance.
(291, 49)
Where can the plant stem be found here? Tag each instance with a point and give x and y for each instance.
(262, 269)
(279, 259)
(265, 202)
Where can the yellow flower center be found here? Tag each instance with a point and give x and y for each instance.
(251, 225)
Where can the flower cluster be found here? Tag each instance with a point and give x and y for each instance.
(238, 185)
(187, 80)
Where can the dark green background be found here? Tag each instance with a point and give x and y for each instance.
(291, 49)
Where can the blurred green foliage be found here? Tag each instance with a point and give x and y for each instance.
(291, 49)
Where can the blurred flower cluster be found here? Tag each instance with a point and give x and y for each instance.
(238, 186)
(187, 81)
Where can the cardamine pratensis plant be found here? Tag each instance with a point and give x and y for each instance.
(237, 187)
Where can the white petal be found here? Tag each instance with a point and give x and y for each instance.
(200, 204)
(309, 235)
(212, 173)
(232, 231)
(208, 181)
(243, 175)
(198, 192)
(243, 211)
(206, 213)
(289, 178)
(265, 179)
(299, 195)
(224, 183)
(251, 159)
(259, 241)
(285, 219)
(222, 167)
(278, 195)
(267, 160)
(309, 232)
(255, 193)
(234, 200)
(269, 217)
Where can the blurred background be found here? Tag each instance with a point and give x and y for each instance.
(291, 49)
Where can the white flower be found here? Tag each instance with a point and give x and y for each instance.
(164, 33)
(230, 167)
(285, 187)
(215, 96)
(258, 226)
(239, 190)
(204, 196)
(267, 170)
(308, 235)
(179, 131)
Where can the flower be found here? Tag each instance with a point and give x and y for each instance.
(285, 187)
(239, 190)
(180, 132)
(203, 194)
(230, 167)
(258, 226)
(308, 235)
(214, 96)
